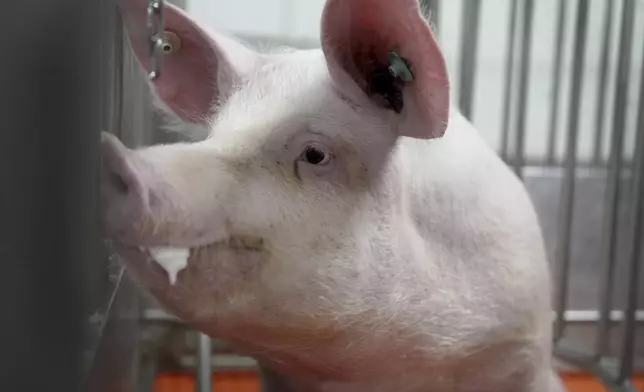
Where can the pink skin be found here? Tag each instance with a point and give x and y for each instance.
(354, 275)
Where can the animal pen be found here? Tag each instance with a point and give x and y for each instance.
(562, 101)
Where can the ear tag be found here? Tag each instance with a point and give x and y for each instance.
(399, 68)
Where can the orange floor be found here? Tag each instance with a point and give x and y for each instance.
(223, 382)
(248, 382)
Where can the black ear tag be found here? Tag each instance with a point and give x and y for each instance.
(386, 83)
(399, 68)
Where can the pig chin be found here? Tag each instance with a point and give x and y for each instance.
(214, 274)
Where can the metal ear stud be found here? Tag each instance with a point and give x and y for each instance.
(170, 43)
(399, 68)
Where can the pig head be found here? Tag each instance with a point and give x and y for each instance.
(345, 225)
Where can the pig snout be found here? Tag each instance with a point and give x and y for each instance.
(156, 196)
(125, 196)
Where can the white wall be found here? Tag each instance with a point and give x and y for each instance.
(299, 19)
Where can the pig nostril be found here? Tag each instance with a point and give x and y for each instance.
(119, 183)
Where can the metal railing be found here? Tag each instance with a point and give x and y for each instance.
(623, 173)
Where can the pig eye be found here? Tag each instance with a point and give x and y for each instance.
(315, 156)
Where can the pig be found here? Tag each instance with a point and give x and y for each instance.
(345, 225)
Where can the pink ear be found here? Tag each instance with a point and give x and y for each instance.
(201, 70)
(357, 36)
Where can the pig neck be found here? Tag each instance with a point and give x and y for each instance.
(398, 354)
(489, 371)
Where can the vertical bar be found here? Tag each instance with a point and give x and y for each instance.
(469, 46)
(434, 8)
(147, 373)
(637, 238)
(609, 237)
(49, 163)
(568, 190)
(115, 121)
(524, 76)
(204, 365)
(556, 81)
(509, 73)
(603, 78)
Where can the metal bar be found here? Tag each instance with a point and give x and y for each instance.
(600, 111)
(556, 81)
(220, 362)
(568, 190)
(204, 364)
(155, 25)
(614, 171)
(635, 259)
(469, 46)
(524, 66)
(147, 373)
(592, 316)
(50, 103)
(434, 8)
(566, 352)
(509, 73)
(115, 120)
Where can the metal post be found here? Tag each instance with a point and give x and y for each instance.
(568, 191)
(600, 110)
(147, 373)
(636, 240)
(556, 81)
(614, 173)
(469, 46)
(524, 76)
(434, 8)
(50, 102)
(509, 83)
(204, 364)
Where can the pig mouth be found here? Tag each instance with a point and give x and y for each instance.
(239, 243)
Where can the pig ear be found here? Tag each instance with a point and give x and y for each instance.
(199, 68)
(361, 39)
